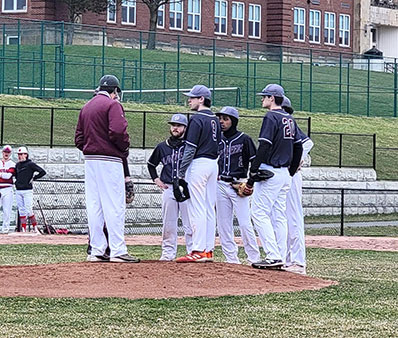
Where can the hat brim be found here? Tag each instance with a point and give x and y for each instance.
(7, 151)
(264, 94)
(173, 122)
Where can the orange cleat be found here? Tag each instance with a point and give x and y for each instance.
(210, 256)
(193, 257)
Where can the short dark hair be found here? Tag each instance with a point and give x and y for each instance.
(207, 102)
(278, 100)
(288, 110)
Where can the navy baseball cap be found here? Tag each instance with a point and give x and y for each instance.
(286, 102)
(179, 119)
(230, 111)
(272, 90)
(198, 91)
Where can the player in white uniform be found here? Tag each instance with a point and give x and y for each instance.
(279, 151)
(169, 153)
(7, 171)
(235, 153)
(199, 162)
(296, 258)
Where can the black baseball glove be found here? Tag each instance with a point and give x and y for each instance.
(129, 191)
(180, 190)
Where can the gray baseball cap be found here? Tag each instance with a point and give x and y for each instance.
(272, 90)
(286, 102)
(198, 91)
(230, 111)
(179, 119)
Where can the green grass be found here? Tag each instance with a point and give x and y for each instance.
(28, 126)
(159, 70)
(363, 304)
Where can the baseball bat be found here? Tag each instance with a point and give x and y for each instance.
(44, 219)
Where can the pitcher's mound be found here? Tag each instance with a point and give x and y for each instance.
(149, 279)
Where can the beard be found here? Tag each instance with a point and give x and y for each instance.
(176, 134)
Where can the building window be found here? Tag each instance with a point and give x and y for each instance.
(14, 5)
(161, 11)
(111, 12)
(13, 40)
(254, 21)
(128, 12)
(330, 26)
(238, 10)
(176, 15)
(194, 15)
(344, 30)
(220, 17)
(314, 33)
(299, 24)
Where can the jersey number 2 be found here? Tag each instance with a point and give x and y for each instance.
(214, 130)
(288, 128)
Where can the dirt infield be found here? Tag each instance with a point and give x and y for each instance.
(154, 279)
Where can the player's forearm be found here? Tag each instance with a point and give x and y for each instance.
(152, 172)
(261, 155)
(297, 152)
(189, 153)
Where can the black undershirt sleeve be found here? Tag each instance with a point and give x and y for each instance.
(261, 155)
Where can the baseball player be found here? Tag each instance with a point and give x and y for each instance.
(101, 134)
(295, 259)
(169, 153)
(199, 166)
(7, 171)
(236, 151)
(24, 176)
(279, 151)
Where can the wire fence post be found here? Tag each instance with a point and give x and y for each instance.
(374, 151)
(52, 128)
(310, 81)
(348, 88)
(309, 126)
(164, 80)
(280, 65)
(103, 52)
(340, 149)
(140, 71)
(342, 213)
(213, 92)
(254, 83)
(340, 81)
(143, 129)
(42, 66)
(247, 74)
(178, 68)
(368, 91)
(395, 87)
(301, 85)
(18, 53)
(3, 60)
(2, 124)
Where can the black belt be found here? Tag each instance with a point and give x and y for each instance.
(228, 179)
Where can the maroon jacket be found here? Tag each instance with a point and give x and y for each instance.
(102, 128)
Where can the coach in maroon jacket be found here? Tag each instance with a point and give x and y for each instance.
(101, 134)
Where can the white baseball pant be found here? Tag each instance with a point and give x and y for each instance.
(105, 202)
(24, 199)
(6, 201)
(171, 209)
(228, 203)
(269, 203)
(295, 221)
(201, 177)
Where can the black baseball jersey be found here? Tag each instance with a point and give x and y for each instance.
(235, 154)
(204, 133)
(170, 157)
(279, 129)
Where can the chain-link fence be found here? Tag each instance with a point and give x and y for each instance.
(57, 59)
(328, 211)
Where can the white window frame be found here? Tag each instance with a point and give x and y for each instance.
(163, 10)
(108, 12)
(314, 26)
(330, 29)
(343, 29)
(14, 10)
(194, 11)
(220, 17)
(237, 19)
(253, 20)
(128, 4)
(296, 22)
(172, 9)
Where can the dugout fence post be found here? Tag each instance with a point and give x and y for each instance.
(143, 129)
(2, 125)
(340, 80)
(368, 91)
(52, 127)
(247, 73)
(340, 149)
(342, 213)
(310, 81)
(309, 126)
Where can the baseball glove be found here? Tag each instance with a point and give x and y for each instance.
(242, 189)
(261, 175)
(180, 190)
(129, 191)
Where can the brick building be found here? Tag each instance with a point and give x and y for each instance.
(321, 24)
